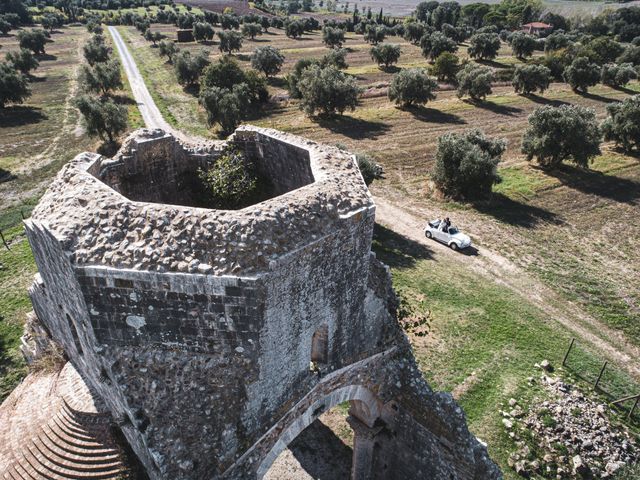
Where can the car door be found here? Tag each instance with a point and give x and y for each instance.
(442, 236)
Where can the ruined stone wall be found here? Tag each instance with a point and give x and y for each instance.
(288, 166)
(158, 170)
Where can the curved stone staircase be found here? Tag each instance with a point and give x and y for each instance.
(52, 427)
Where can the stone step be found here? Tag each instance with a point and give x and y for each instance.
(56, 443)
(52, 471)
(73, 442)
(74, 426)
(106, 456)
(47, 457)
(61, 425)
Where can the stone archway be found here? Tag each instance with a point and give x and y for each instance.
(365, 410)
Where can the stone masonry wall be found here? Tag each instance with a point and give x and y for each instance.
(156, 169)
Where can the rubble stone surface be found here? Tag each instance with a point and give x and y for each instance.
(574, 436)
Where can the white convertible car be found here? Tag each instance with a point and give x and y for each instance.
(449, 236)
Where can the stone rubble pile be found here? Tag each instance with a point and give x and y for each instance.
(573, 435)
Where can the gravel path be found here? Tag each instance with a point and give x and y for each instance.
(148, 108)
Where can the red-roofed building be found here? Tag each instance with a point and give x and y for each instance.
(536, 28)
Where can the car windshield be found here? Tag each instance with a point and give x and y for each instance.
(453, 231)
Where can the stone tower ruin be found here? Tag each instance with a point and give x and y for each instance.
(197, 327)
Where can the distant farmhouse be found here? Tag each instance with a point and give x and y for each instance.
(537, 28)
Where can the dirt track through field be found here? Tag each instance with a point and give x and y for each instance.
(147, 106)
(489, 264)
(502, 271)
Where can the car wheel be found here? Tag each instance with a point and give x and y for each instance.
(454, 246)
(428, 234)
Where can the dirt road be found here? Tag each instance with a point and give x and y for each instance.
(148, 108)
(504, 272)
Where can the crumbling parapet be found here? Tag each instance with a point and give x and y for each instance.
(197, 326)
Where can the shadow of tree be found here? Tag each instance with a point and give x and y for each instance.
(243, 57)
(596, 97)
(193, 89)
(18, 115)
(597, 183)
(321, 453)
(280, 82)
(389, 69)
(396, 250)
(508, 210)
(6, 175)
(626, 90)
(355, 128)
(108, 149)
(545, 101)
(123, 100)
(431, 115)
(493, 63)
(45, 57)
(494, 107)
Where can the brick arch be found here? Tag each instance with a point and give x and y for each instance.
(367, 403)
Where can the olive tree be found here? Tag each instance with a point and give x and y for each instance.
(556, 41)
(466, 164)
(189, 67)
(5, 27)
(230, 41)
(95, 50)
(251, 30)
(622, 126)
(374, 34)
(336, 57)
(446, 67)
(327, 90)
(435, 44)
(14, 87)
(630, 55)
(203, 31)
(414, 31)
(23, 60)
(369, 168)
(484, 46)
(34, 40)
(522, 44)
(412, 86)
(231, 181)
(529, 78)
(617, 75)
(332, 37)
(224, 106)
(153, 37)
(294, 29)
(102, 78)
(385, 54)
(556, 134)
(267, 59)
(581, 74)
(475, 81)
(103, 117)
(168, 48)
